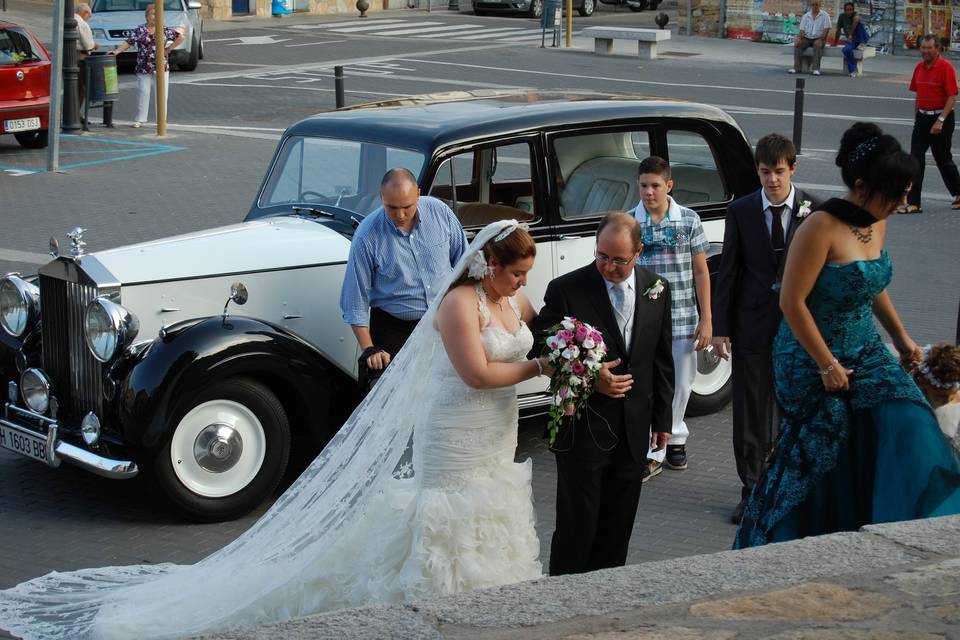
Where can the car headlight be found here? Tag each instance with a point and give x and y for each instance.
(19, 305)
(99, 33)
(36, 390)
(108, 328)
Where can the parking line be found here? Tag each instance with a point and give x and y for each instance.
(493, 32)
(309, 44)
(405, 32)
(349, 23)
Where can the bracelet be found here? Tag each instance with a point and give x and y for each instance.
(833, 365)
(539, 366)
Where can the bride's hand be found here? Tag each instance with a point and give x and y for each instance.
(546, 367)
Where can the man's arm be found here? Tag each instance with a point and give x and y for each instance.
(661, 410)
(726, 277)
(355, 303)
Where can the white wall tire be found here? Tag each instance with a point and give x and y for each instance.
(713, 386)
(227, 451)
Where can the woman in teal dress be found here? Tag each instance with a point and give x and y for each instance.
(858, 443)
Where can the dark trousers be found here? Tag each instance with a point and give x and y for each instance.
(390, 334)
(596, 507)
(755, 414)
(939, 144)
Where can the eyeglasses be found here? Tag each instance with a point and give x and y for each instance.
(617, 262)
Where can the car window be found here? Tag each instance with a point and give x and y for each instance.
(342, 173)
(696, 178)
(133, 5)
(17, 47)
(597, 171)
(487, 184)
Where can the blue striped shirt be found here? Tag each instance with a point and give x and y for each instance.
(399, 272)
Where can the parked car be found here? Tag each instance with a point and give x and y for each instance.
(24, 86)
(113, 21)
(532, 8)
(138, 363)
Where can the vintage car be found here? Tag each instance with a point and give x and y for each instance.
(24, 86)
(113, 21)
(141, 357)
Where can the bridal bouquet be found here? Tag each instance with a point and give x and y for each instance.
(575, 350)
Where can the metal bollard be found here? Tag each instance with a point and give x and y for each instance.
(338, 85)
(108, 114)
(798, 114)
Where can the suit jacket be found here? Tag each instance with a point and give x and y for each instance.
(746, 297)
(606, 421)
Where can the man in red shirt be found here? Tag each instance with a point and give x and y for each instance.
(935, 83)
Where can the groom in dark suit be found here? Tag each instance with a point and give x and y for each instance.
(601, 455)
(746, 300)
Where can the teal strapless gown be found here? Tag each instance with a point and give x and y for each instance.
(844, 460)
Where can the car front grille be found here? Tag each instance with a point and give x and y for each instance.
(120, 33)
(76, 376)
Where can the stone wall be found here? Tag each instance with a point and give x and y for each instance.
(706, 17)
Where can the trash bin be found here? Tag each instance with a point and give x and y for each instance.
(102, 76)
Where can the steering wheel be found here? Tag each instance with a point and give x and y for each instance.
(322, 199)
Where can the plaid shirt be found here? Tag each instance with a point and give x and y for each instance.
(668, 249)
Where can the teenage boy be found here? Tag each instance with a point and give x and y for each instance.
(674, 246)
(746, 305)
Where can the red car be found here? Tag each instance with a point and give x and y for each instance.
(24, 86)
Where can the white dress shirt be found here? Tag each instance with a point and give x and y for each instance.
(630, 297)
(784, 215)
(814, 26)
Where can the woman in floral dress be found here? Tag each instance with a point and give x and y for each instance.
(143, 37)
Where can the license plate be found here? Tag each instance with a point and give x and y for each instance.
(26, 445)
(21, 124)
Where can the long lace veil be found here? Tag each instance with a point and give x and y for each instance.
(275, 570)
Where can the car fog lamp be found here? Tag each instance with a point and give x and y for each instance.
(35, 389)
(108, 328)
(90, 428)
(19, 305)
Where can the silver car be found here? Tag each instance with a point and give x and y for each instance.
(113, 21)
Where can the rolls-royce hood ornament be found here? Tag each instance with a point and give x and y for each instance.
(76, 242)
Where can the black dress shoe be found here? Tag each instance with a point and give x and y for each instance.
(737, 514)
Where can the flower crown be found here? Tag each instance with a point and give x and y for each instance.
(924, 369)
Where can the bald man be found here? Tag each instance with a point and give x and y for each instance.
(398, 256)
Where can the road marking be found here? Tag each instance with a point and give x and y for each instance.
(380, 27)
(323, 89)
(310, 44)
(832, 188)
(256, 40)
(12, 255)
(494, 32)
(660, 84)
(348, 23)
(406, 32)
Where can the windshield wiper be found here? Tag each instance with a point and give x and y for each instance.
(340, 215)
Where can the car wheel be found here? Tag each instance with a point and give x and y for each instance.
(32, 139)
(713, 386)
(192, 58)
(586, 9)
(200, 48)
(536, 9)
(227, 451)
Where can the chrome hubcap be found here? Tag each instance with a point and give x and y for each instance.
(217, 448)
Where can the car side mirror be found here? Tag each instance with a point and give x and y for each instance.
(238, 294)
(194, 4)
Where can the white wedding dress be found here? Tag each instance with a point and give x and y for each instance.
(371, 520)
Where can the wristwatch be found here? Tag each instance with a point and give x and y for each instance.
(941, 118)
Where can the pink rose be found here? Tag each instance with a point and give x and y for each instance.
(596, 337)
(565, 335)
(569, 409)
(577, 367)
(581, 333)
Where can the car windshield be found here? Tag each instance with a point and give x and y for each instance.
(341, 173)
(16, 47)
(133, 5)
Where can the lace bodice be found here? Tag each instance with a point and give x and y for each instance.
(499, 344)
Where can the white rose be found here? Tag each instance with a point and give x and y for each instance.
(566, 323)
(589, 344)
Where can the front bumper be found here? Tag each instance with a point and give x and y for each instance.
(57, 450)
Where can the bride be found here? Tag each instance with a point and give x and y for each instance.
(373, 519)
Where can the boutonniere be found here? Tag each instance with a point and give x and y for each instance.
(804, 209)
(653, 291)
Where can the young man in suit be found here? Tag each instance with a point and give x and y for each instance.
(601, 455)
(746, 302)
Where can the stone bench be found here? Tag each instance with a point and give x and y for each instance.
(646, 39)
(859, 54)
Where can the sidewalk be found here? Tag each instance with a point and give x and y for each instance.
(887, 582)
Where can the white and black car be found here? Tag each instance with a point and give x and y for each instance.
(141, 357)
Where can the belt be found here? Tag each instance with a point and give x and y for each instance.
(930, 112)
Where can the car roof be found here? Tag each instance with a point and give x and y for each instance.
(427, 122)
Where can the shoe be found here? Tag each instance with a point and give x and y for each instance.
(737, 514)
(816, 72)
(853, 74)
(676, 458)
(651, 470)
(955, 205)
(136, 125)
(791, 70)
(909, 209)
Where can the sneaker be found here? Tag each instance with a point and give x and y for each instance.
(136, 125)
(652, 470)
(816, 72)
(791, 70)
(676, 457)
(853, 74)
